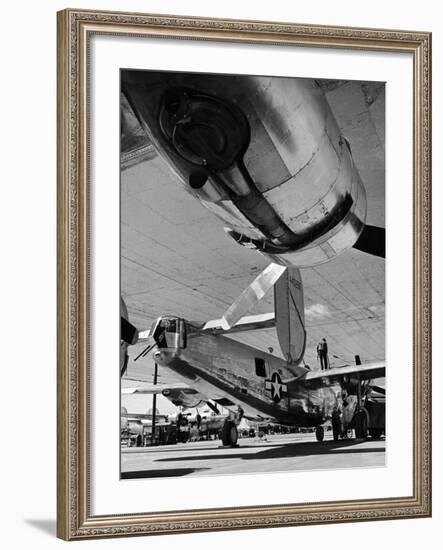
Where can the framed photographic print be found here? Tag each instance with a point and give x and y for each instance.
(243, 274)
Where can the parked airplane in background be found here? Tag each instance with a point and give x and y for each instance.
(183, 426)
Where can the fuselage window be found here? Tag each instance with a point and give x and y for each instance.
(260, 367)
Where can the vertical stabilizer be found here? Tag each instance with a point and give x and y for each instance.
(290, 315)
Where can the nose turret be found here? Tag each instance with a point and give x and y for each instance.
(169, 333)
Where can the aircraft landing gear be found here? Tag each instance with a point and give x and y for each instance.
(336, 431)
(361, 416)
(361, 425)
(229, 433)
(336, 424)
(319, 433)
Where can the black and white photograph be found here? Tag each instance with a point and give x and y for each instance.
(252, 258)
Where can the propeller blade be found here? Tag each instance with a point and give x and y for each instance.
(251, 295)
(372, 241)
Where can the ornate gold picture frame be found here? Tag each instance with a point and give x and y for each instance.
(75, 31)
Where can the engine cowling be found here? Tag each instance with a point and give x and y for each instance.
(264, 154)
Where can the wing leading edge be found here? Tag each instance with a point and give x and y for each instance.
(337, 374)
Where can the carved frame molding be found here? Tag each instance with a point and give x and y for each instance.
(75, 27)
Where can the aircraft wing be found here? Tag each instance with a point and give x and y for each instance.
(176, 258)
(142, 418)
(152, 389)
(180, 395)
(338, 374)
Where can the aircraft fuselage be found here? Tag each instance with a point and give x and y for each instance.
(235, 375)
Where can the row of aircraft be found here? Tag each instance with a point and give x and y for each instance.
(172, 428)
(257, 170)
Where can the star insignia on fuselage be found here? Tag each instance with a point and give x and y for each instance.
(276, 387)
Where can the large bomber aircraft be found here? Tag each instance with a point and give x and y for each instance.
(267, 158)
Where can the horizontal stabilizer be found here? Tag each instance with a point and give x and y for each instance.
(251, 295)
(249, 322)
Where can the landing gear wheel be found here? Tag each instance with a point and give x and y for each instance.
(361, 425)
(229, 434)
(319, 433)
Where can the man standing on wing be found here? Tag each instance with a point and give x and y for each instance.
(322, 354)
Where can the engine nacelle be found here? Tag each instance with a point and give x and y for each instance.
(264, 154)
